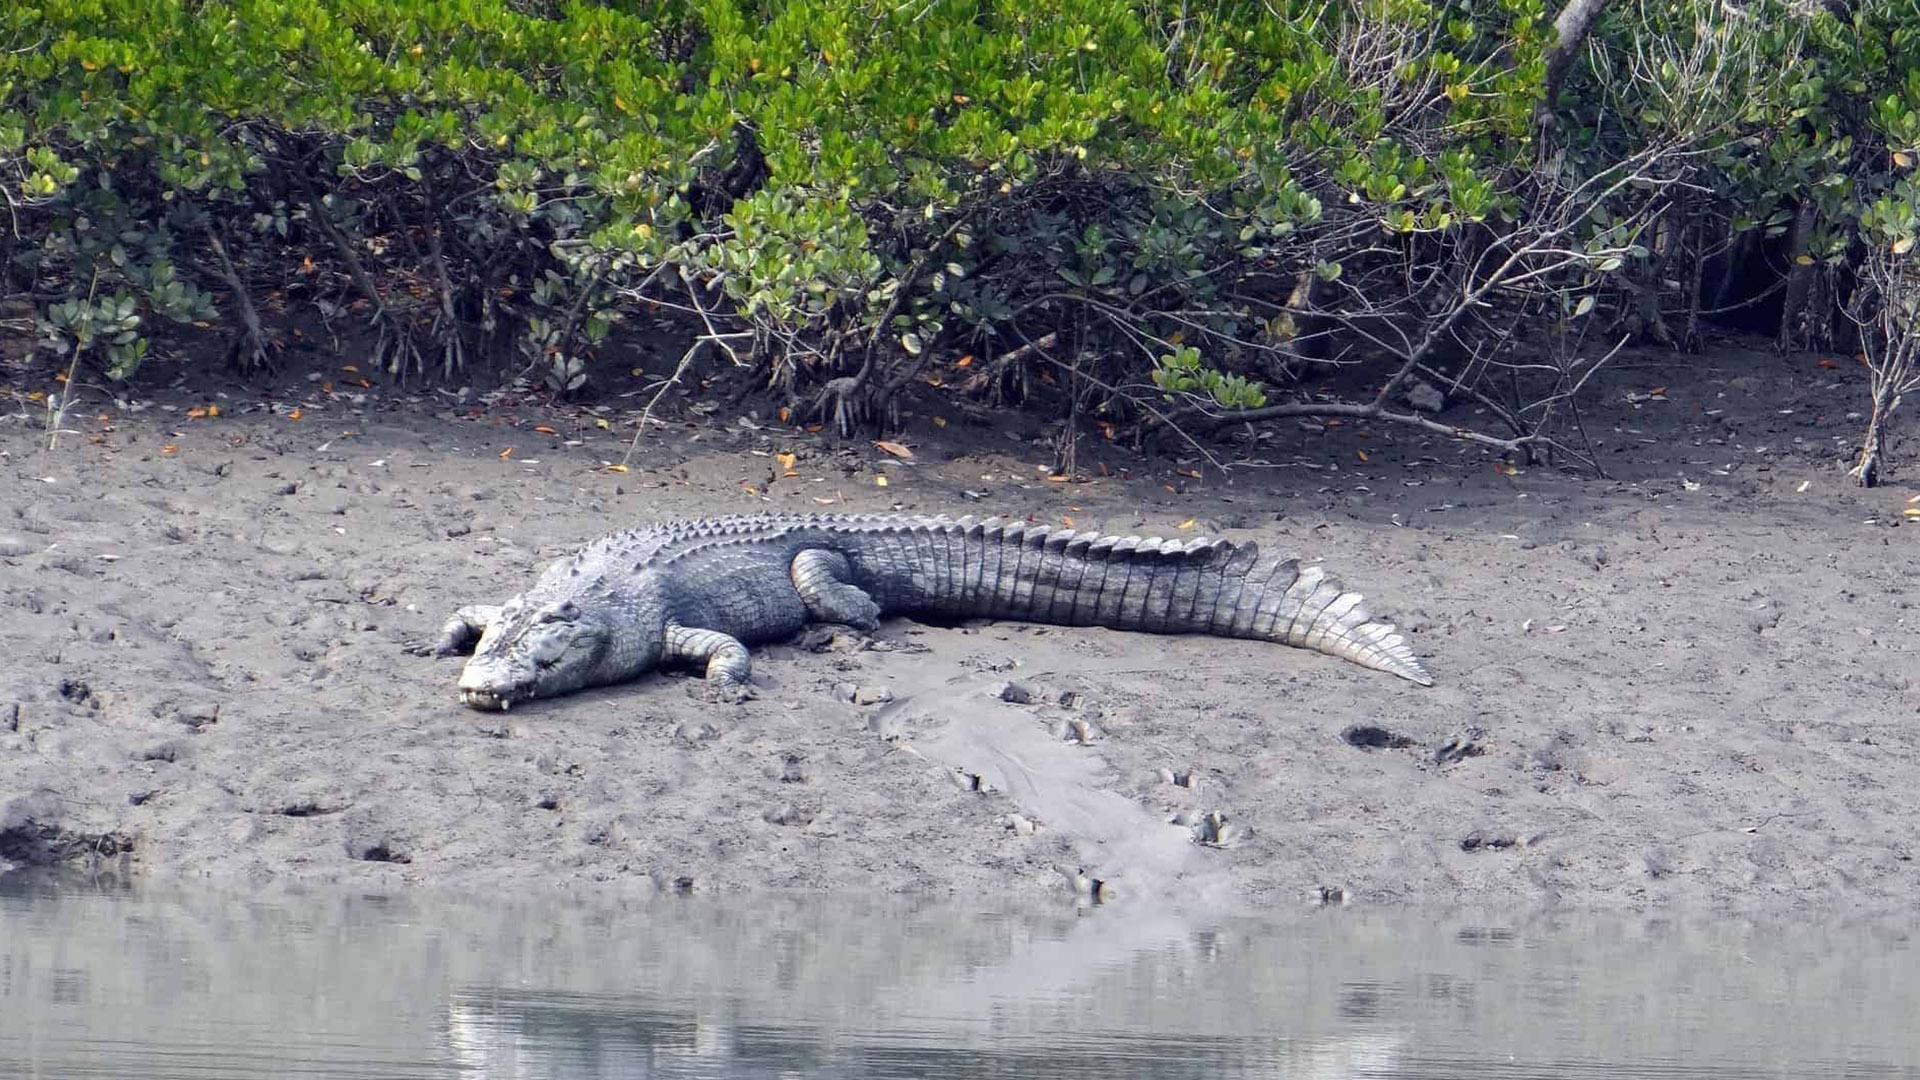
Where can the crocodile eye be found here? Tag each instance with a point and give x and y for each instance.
(564, 612)
(548, 650)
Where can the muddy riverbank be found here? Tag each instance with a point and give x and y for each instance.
(1688, 683)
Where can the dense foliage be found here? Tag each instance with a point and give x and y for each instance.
(1162, 209)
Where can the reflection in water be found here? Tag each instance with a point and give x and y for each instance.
(501, 1036)
(173, 983)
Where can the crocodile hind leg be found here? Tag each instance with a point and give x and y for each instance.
(461, 631)
(820, 577)
(721, 656)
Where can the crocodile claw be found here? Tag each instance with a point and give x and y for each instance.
(442, 647)
(720, 691)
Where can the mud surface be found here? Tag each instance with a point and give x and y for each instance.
(1690, 683)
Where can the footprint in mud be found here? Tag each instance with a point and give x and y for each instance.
(1458, 749)
(1077, 732)
(1088, 889)
(788, 814)
(1499, 841)
(1372, 737)
(972, 781)
(1188, 779)
(1212, 828)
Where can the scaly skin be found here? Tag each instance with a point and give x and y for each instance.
(698, 592)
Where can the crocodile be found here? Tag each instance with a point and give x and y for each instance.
(698, 592)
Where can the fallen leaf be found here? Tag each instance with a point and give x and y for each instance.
(1057, 478)
(1505, 469)
(60, 377)
(939, 421)
(351, 368)
(1658, 390)
(1829, 365)
(824, 502)
(545, 430)
(507, 453)
(879, 481)
(749, 489)
(603, 424)
(787, 462)
(785, 413)
(326, 388)
(169, 449)
(1193, 474)
(965, 361)
(295, 414)
(1362, 454)
(1187, 524)
(1067, 520)
(895, 449)
(196, 412)
(1911, 512)
(616, 468)
(365, 385)
(1106, 429)
(1804, 485)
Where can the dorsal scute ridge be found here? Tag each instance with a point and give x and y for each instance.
(664, 543)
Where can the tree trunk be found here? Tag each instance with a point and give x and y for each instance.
(1800, 271)
(1866, 470)
(1571, 30)
(249, 349)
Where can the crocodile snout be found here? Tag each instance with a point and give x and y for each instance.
(481, 699)
(481, 689)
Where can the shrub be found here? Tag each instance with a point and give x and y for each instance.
(1174, 208)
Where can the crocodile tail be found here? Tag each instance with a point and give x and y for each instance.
(1208, 586)
(1227, 589)
(1306, 607)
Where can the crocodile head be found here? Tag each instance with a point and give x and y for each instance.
(534, 651)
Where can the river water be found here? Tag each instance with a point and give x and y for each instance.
(152, 982)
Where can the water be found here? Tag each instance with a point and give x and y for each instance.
(165, 983)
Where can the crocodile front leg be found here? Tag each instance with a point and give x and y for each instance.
(461, 632)
(821, 578)
(721, 656)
